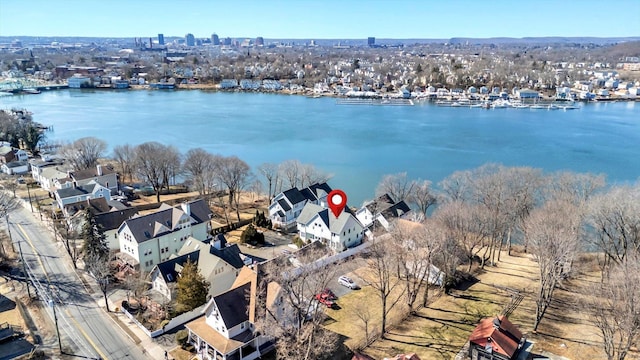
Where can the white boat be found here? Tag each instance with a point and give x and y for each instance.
(538, 107)
(553, 107)
(520, 106)
(569, 107)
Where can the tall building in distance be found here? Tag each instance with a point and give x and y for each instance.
(160, 39)
(371, 41)
(215, 40)
(190, 40)
(227, 41)
(259, 41)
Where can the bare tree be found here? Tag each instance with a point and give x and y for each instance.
(270, 173)
(574, 187)
(234, 174)
(552, 232)
(84, 153)
(202, 167)
(171, 165)
(418, 244)
(290, 170)
(398, 186)
(124, 155)
(614, 305)
(151, 165)
(614, 217)
(100, 269)
(365, 316)
(383, 268)
(310, 175)
(295, 318)
(422, 196)
(465, 224)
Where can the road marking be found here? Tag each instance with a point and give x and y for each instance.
(102, 355)
(24, 233)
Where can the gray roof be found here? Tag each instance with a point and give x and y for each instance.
(166, 220)
(320, 190)
(113, 219)
(234, 305)
(15, 164)
(169, 270)
(397, 210)
(335, 225)
(284, 205)
(294, 196)
(76, 191)
(380, 204)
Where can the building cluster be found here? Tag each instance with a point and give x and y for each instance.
(344, 70)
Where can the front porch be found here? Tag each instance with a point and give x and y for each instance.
(210, 345)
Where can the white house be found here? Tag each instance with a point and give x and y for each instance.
(287, 206)
(382, 211)
(46, 173)
(525, 94)
(227, 329)
(21, 155)
(316, 223)
(150, 239)
(103, 175)
(92, 190)
(15, 167)
(165, 274)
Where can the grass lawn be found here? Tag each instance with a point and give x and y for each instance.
(441, 330)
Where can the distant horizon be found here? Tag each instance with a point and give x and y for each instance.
(329, 19)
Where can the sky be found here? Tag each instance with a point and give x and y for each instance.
(321, 19)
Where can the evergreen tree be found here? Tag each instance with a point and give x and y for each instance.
(95, 243)
(192, 288)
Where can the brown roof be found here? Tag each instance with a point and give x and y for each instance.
(212, 337)
(504, 338)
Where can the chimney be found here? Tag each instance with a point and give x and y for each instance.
(99, 167)
(186, 207)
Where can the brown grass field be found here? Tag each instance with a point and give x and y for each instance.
(441, 330)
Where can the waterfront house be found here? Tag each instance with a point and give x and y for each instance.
(286, 206)
(15, 167)
(6, 154)
(218, 262)
(46, 173)
(382, 211)
(103, 175)
(75, 194)
(495, 338)
(21, 155)
(527, 94)
(146, 240)
(317, 223)
(78, 81)
(227, 330)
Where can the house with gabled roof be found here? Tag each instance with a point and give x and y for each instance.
(75, 194)
(495, 338)
(103, 175)
(317, 223)
(382, 211)
(227, 330)
(108, 215)
(218, 262)
(286, 206)
(146, 240)
(165, 275)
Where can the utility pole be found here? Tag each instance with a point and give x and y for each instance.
(52, 303)
(24, 268)
(29, 193)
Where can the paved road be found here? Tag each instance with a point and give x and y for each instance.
(86, 330)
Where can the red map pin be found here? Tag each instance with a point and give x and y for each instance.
(337, 201)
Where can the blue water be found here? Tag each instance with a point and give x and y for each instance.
(358, 144)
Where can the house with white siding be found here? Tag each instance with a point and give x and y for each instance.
(317, 223)
(287, 206)
(227, 330)
(146, 240)
(75, 194)
(382, 211)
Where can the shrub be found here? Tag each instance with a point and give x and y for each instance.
(298, 242)
(251, 235)
(181, 337)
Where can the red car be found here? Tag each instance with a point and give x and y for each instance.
(326, 298)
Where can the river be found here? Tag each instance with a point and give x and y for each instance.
(358, 144)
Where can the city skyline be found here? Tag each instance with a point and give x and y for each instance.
(331, 19)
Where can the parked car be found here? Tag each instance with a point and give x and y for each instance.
(348, 282)
(326, 299)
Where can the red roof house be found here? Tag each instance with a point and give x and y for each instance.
(495, 338)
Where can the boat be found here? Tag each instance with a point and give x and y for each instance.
(569, 107)
(553, 107)
(538, 107)
(31, 91)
